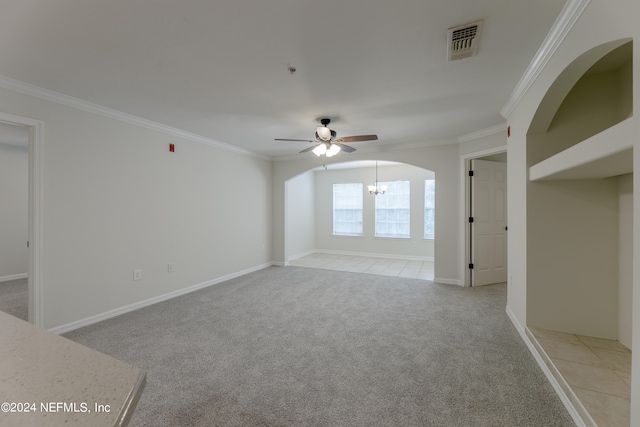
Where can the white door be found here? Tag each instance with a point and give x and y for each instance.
(488, 223)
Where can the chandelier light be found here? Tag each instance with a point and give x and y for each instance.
(376, 189)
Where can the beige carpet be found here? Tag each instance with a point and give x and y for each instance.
(306, 347)
(14, 296)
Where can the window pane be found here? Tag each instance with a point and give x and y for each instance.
(347, 209)
(429, 208)
(393, 210)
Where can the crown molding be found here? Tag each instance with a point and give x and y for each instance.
(69, 101)
(482, 133)
(564, 23)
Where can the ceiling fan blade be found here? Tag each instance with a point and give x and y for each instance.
(296, 140)
(358, 138)
(345, 147)
(310, 148)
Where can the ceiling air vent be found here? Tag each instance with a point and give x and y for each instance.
(463, 40)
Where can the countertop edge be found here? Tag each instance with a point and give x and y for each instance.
(132, 401)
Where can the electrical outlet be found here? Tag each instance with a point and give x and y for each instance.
(137, 274)
(170, 267)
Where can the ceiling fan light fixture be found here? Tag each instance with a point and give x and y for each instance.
(320, 150)
(324, 133)
(327, 143)
(333, 150)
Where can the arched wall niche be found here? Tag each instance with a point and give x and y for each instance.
(591, 94)
(576, 210)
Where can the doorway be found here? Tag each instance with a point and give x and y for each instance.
(33, 242)
(14, 214)
(486, 206)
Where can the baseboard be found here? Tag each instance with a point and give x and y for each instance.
(303, 254)
(141, 304)
(447, 281)
(576, 413)
(375, 255)
(14, 277)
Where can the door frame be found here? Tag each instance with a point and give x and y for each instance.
(35, 221)
(465, 211)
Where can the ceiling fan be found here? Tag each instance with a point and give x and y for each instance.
(326, 143)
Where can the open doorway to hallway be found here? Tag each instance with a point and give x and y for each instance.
(34, 218)
(14, 219)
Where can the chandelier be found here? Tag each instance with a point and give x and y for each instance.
(376, 189)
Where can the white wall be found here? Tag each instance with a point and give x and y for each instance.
(483, 143)
(14, 204)
(572, 280)
(443, 160)
(415, 246)
(625, 259)
(635, 333)
(115, 199)
(300, 215)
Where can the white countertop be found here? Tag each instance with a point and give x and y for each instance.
(48, 380)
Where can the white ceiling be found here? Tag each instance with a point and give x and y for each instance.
(219, 68)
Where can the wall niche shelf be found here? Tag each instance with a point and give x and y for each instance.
(608, 153)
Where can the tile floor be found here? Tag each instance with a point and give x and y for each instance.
(597, 370)
(370, 265)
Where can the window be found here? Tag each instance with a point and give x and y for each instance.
(347, 209)
(429, 208)
(393, 209)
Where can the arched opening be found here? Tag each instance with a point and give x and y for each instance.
(315, 225)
